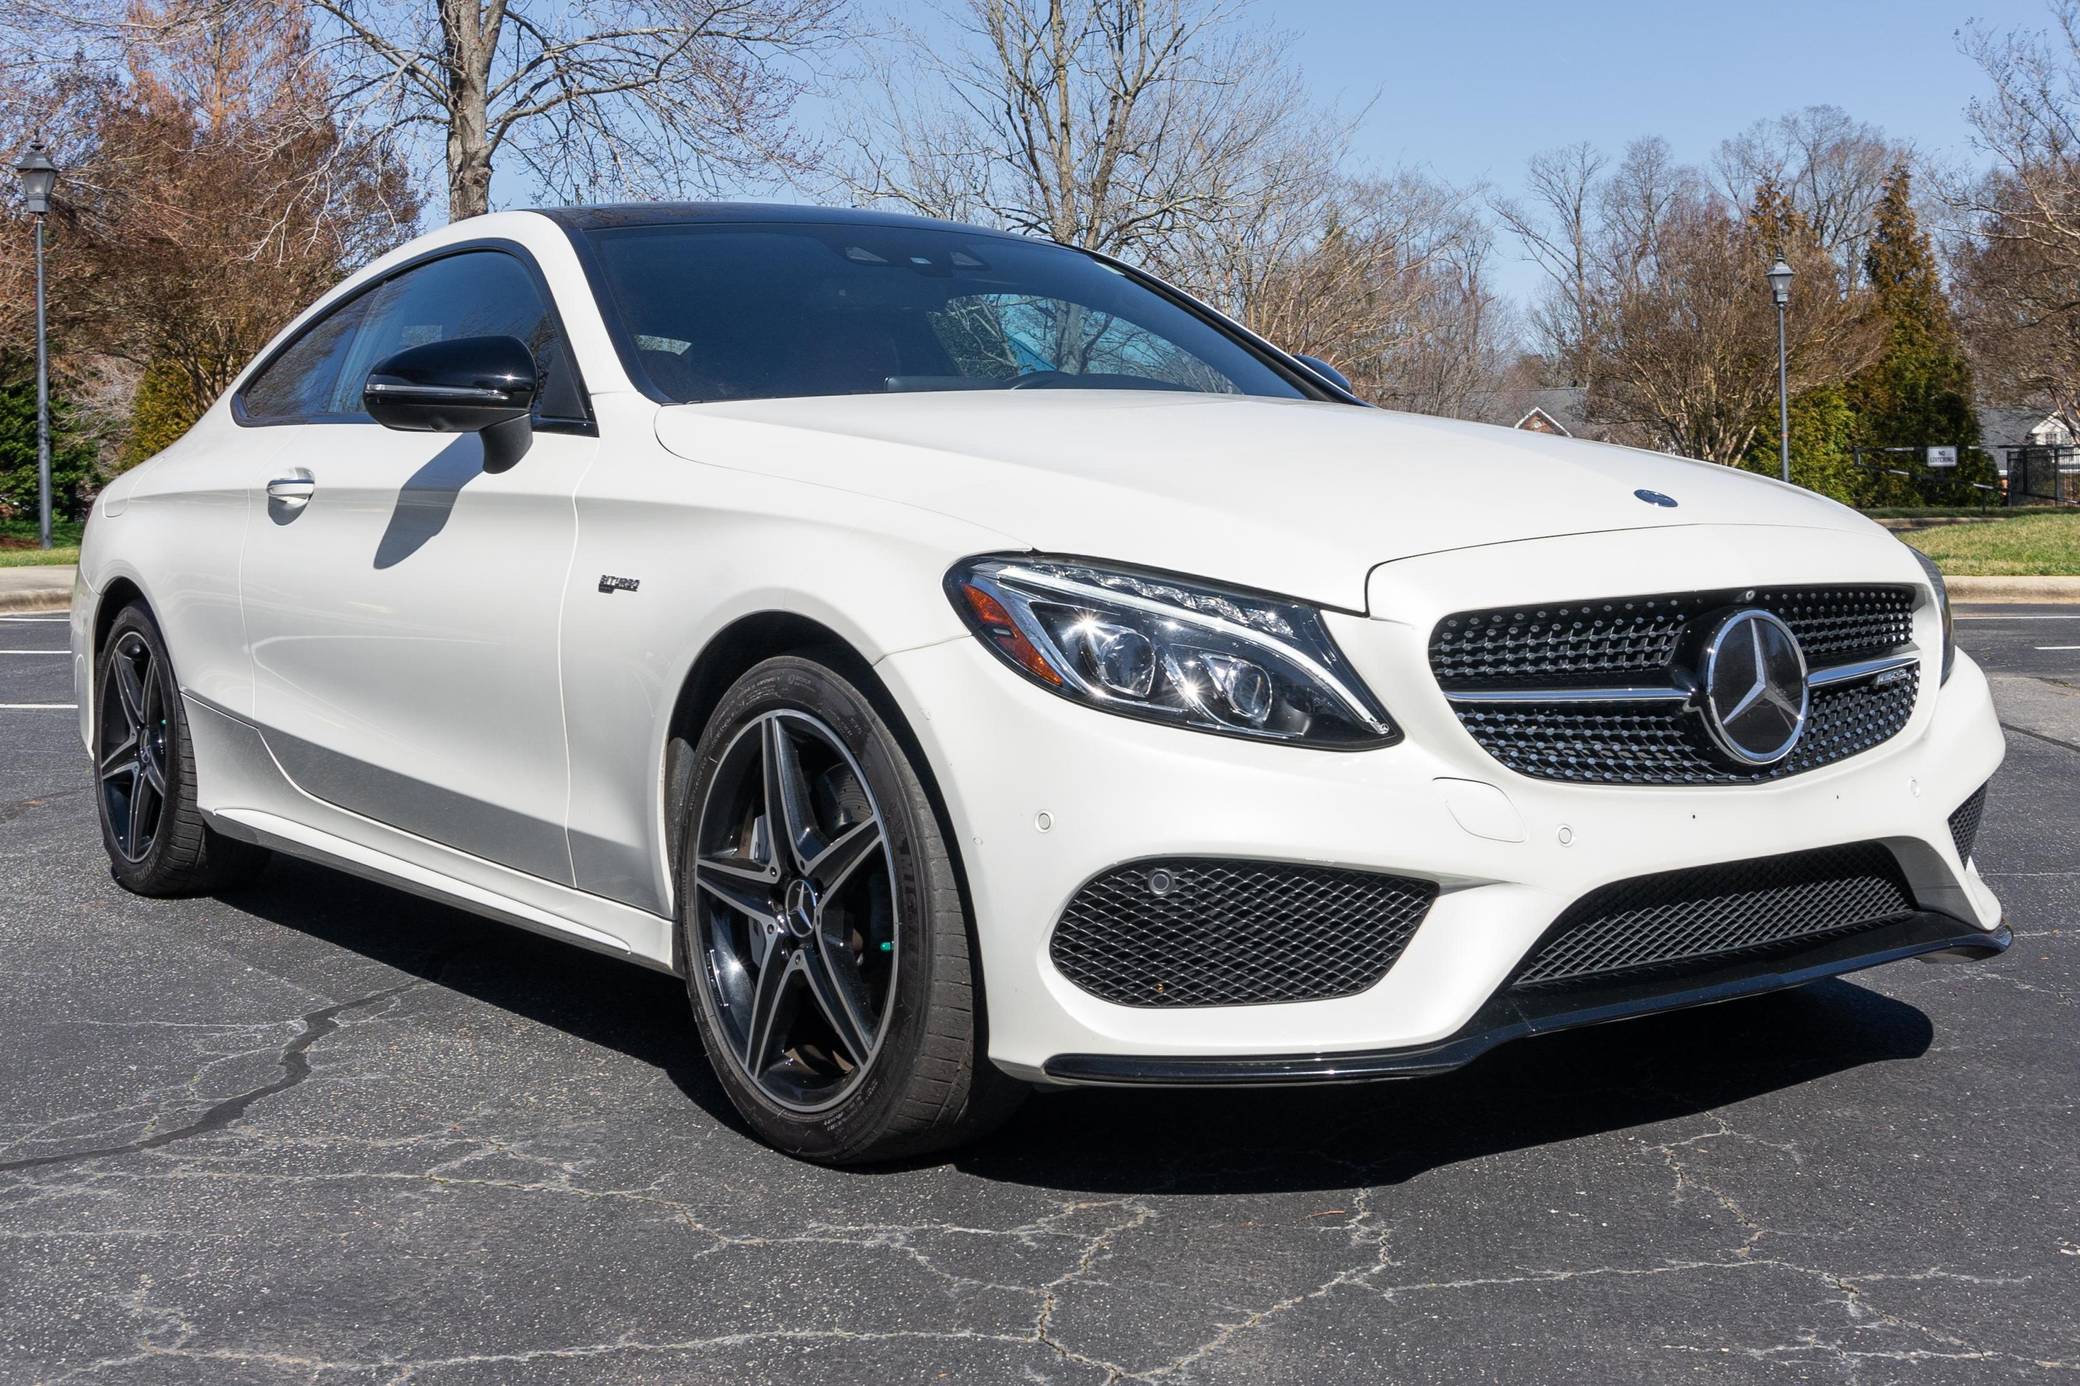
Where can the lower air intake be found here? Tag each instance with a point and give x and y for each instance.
(1708, 915)
(1203, 932)
(1964, 824)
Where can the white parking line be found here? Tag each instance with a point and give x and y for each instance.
(39, 707)
(41, 652)
(2055, 647)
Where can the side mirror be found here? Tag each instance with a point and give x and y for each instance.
(482, 385)
(1326, 371)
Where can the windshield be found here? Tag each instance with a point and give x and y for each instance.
(732, 311)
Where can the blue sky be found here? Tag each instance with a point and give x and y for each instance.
(1468, 90)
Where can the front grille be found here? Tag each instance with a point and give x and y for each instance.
(1634, 642)
(1628, 638)
(1964, 823)
(1706, 916)
(1204, 932)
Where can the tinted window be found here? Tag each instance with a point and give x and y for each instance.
(757, 312)
(484, 293)
(300, 383)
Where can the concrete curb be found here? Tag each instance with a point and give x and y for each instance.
(26, 590)
(1965, 590)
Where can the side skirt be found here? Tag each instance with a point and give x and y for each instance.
(245, 795)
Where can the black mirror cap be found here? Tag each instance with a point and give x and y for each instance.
(1326, 371)
(463, 385)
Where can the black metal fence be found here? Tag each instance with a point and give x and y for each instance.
(2043, 475)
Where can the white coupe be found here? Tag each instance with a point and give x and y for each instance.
(973, 664)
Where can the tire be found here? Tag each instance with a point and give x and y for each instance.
(766, 929)
(144, 773)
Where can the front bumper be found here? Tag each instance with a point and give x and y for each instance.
(1044, 794)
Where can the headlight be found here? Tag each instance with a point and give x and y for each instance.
(1935, 580)
(1170, 651)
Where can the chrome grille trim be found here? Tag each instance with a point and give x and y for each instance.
(1816, 678)
(1568, 695)
(1862, 669)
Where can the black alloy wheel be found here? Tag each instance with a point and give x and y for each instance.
(797, 918)
(822, 928)
(131, 757)
(144, 772)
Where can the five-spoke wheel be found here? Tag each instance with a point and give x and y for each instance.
(144, 772)
(797, 920)
(131, 758)
(822, 926)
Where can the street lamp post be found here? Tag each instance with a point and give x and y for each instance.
(1780, 288)
(39, 175)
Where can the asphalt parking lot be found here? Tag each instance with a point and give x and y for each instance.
(324, 1132)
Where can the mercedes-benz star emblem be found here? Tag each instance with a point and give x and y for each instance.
(1754, 682)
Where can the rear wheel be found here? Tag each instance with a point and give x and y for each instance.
(825, 940)
(144, 773)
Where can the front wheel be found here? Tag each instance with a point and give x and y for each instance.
(823, 932)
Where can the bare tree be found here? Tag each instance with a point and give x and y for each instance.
(647, 95)
(2018, 302)
(1831, 166)
(208, 193)
(1686, 360)
(641, 96)
(1386, 277)
(1107, 124)
(1556, 224)
(2017, 266)
(1635, 204)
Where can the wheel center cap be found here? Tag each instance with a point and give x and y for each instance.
(798, 908)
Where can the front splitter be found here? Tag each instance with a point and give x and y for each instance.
(1515, 1014)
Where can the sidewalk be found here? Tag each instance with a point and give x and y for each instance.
(35, 589)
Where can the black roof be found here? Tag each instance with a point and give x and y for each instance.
(682, 213)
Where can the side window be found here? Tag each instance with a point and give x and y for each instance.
(300, 383)
(480, 293)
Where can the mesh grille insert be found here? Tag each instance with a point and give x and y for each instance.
(1964, 823)
(1235, 933)
(1705, 915)
(1625, 638)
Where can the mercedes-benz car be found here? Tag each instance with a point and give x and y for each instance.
(973, 664)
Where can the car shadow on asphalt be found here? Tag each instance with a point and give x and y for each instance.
(1530, 1093)
(1535, 1092)
(592, 997)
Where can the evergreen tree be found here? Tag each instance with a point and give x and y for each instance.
(1823, 439)
(1919, 392)
(162, 410)
(72, 454)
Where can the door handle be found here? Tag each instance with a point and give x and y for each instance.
(292, 492)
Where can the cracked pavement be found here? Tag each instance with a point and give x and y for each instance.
(323, 1132)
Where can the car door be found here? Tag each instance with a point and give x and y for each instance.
(401, 603)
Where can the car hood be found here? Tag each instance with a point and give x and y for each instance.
(1288, 496)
